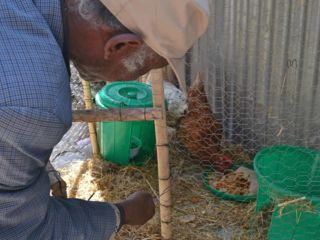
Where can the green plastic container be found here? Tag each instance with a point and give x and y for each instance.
(286, 173)
(125, 143)
(224, 195)
(294, 222)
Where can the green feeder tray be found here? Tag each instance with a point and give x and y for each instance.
(223, 195)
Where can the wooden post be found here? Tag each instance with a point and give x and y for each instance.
(92, 130)
(156, 77)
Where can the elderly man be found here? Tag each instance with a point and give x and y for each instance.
(107, 41)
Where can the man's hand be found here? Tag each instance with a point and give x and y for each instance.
(59, 189)
(139, 208)
(58, 186)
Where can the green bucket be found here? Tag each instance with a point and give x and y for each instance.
(290, 175)
(130, 142)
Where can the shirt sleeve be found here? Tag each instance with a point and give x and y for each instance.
(27, 212)
(54, 175)
(35, 112)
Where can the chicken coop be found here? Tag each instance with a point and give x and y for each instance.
(244, 141)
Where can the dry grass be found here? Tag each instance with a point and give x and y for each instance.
(197, 214)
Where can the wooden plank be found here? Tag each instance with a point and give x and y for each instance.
(116, 114)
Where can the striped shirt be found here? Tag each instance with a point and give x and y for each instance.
(35, 112)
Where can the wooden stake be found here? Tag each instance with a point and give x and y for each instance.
(116, 114)
(156, 77)
(92, 129)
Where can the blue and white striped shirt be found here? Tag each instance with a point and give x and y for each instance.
(35, 112)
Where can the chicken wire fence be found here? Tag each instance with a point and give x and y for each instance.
(253, 85)
(260, 89)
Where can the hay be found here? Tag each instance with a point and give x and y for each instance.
(197, 214)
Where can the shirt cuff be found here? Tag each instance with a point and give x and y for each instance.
(54, 175)
(119, 212)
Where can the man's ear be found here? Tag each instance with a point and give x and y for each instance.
(120, 44)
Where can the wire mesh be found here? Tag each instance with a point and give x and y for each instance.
(259, 62)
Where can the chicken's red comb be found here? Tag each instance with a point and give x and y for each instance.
(225, 163)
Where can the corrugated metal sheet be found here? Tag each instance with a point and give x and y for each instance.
(261, 59)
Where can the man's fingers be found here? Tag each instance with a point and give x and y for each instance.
(59, 189)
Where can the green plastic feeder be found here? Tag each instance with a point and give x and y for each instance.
(288, 173)
(224, 195)
(125, 143)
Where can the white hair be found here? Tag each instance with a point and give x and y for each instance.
(138, 59)
(94, 12)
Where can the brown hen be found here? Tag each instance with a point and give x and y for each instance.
(200, 132)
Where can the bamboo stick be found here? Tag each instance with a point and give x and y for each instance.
(89, 105)
(116, 114)
(284, 204)
(162, 156)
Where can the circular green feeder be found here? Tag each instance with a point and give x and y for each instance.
(290, 175)
(287, 171)
(224, 195)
